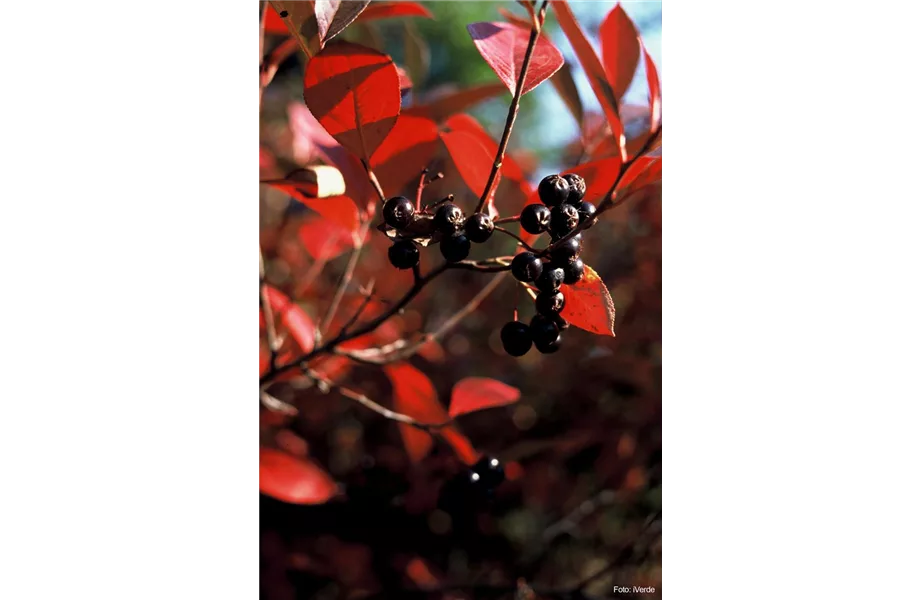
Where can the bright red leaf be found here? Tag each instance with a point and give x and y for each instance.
(386, 10)
(588, 304)
(332, 16)
(340, 210)
(478, 393)
(293, 480)
(593, 69)
(654, 91)
(471, 158)
(645, 170)
(406, 151)
(443, 106)
(503, 46)
(292, 318)
(620, 49)
(414, 395)
(273, 23)
(353, 92)
(324, 240)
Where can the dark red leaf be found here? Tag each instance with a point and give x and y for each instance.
(340, 210)
(324, 240)
(300, 21)
(292, 318)
(503, 45)
(273, 23)
(588, 304)
(478, 393)
(420, 574)
(386, 10)
(353, 92)
(654, 91)
(406, 151)
(644, 171)
(620, 49)
(414, 395)
(293, 480)
(593, 69)
(510, 167)
(332, 16)
(444, 106)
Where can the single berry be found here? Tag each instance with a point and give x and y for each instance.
(549, 347)
(563, 219)
(543, 330)
(526, 267)
(449, 218)
(586, 212)
(516, 338)
(535, 218)
(549, 303)
(567, 251)
(554, 190)
(577, 188)
(398, 212)
(550, 279)
(488, 472)
(403, 254)
(455, 248)
(574, 271)
(479, 227)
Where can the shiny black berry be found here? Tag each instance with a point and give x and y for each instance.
(526, 267)
(543, 330)
(554, 190)
(479, 227)
(488, 472)
(567, 251)
(398, 212)
(586, 212)
(449, 218)
(535, 218)
(550, 279)
(516, 338)
(574, 271)
(549, 347)
(577, 188)
(403, 254)
(455, 248)
(549, 303)
(563, 219)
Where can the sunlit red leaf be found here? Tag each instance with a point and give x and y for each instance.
(273, 23)
(503, 46)
(444, 106)
(340, 210)
(644, 171)
(620, 49)
(386, 10)
(353, 92)
(471, 158)
(406, 151)
(588, 304)
(654, 91)
(414, 395)
(293, 480)
(589, 61)
(461, 445)
(292, 318)
(332, 16)
(320, 181)
(478, 393)
(324, 240)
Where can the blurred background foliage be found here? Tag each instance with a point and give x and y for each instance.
(587, 430)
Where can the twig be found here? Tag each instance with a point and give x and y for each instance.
(513, 219)
(421, 187)
(367, 300)
(373, 179)
(515, 236)
(347, 276)
(273, 345)
(513, 109)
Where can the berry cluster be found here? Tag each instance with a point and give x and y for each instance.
(562, 211)
(448, 224)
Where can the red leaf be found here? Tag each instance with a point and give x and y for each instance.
(273, 23)
(353, 92)
(406, 151)
(478, 393)
(620, 49)
(503, 45)
(386, 10)
(324, 240)
(461, 445)
(588, 304)
(644, 171)
(414, 395)
(472, 159)
(293, 480)
(510, 167)
(292, 318)
(332, 16)
(421, 574)
(593, 69)
(340, 210)
(654, 91)
(444, 106)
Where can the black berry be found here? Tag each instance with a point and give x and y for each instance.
(455, 248)
(543, 330)
(554, 190)
(563, 219)
(488, 472)
(479, 227)
(449, 218)
(574, 271)
(577, 188)
(561, 323)
(516, 338)
(398, 212)
(586, 212)
(535, 218)
(549, 347)
(550, 279)
(567, 251)
(526, 267)
(403, 254)
(549, 303)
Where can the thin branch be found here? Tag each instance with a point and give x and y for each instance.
(513, 219)
(515, 236)
(421, 187)
(368, 296)
(374, 181)
(347, 276)
(273, 343)
(513, 109)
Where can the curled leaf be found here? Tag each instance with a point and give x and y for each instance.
(588, 304)
(478, 393)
